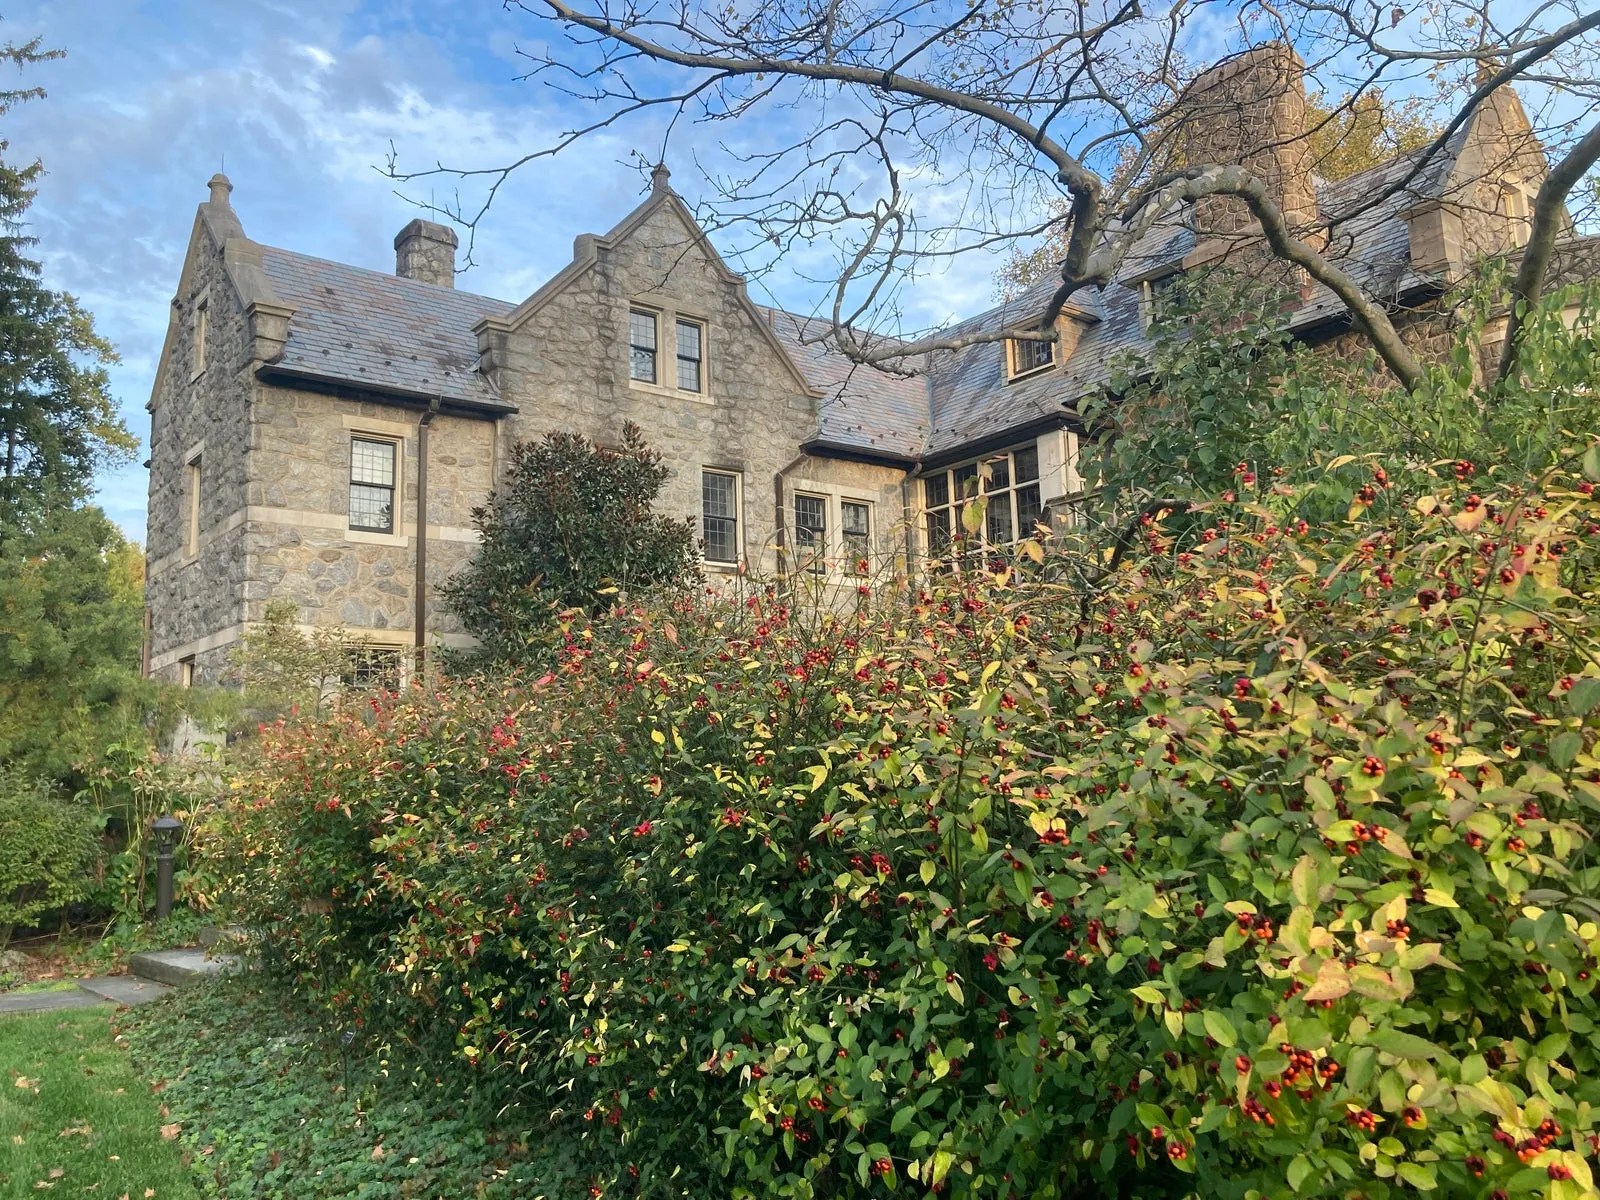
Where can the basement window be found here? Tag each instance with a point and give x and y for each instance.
(373, 668)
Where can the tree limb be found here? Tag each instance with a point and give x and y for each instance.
(1549, 217)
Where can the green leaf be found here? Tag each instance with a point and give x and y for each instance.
(1584, 696)
(1403, 1045)
(1591, 463)
(1299, 1171)
(1219, 1027)
(1564, 748)
(902, 1118)
(1418, 1176)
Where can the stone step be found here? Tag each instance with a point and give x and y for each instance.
(124, 989)
(179, 967)
(21, 1002)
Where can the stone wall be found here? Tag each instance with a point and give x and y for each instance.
(1251, 110)
(564, 361)
(195, 599)
(297, 529)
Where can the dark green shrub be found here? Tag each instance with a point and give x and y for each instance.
(572, 527)
(48, 849)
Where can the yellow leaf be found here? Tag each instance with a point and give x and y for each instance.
(1332, 982)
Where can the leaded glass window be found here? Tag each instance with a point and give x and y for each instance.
(719, 516)
(372, 485)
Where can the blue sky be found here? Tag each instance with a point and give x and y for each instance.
(301, 99)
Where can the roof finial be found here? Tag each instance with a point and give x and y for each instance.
(220, 187)
(658, 178)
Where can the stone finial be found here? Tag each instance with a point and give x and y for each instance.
(220, 187)
(658, 178)
(426, 250)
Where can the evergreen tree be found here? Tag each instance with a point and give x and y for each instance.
(573, 527)
(58, 422)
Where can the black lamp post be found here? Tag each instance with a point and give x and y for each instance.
(167, 830)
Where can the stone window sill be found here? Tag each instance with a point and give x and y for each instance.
(661, 389)
(721, 568)
(373, 538)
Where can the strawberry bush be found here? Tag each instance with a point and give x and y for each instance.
(1261, 870)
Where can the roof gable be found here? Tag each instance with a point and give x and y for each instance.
(588, 247)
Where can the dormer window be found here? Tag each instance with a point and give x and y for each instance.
(1024, 356)
(1160, 296)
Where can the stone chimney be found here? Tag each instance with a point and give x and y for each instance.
(426, 250)
(220, 187)
(1251, 110)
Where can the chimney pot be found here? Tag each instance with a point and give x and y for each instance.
(220, 187)
(426, 251)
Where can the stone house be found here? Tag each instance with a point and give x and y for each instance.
(293, 394)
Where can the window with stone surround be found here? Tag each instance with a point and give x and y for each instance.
(186, 671)
(1009, 484)
(719, 516)
(855, 523)
(191, 507)
(372, 462)
(691, 350)
(811, 532)
(642, 346)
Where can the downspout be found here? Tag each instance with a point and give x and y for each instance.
(782, 526)
(420, 588)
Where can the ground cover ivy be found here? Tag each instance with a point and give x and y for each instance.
(1263, 869)
(268, 1098)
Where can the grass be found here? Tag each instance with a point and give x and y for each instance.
(75, 1119)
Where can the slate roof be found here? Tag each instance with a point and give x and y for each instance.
(862, 409)
(972, 402)
(361, 328)
(367, 329)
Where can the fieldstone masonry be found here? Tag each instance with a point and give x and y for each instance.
(259, 394)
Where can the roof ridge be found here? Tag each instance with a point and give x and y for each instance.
(387, 275)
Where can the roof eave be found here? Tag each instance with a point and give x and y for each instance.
(352, 389)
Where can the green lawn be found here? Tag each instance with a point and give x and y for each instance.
(74, 1119)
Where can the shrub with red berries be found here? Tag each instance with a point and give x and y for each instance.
(1298, 906)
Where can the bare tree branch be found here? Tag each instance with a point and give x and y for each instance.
(1549, 219)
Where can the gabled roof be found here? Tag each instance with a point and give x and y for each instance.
(368, 330)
